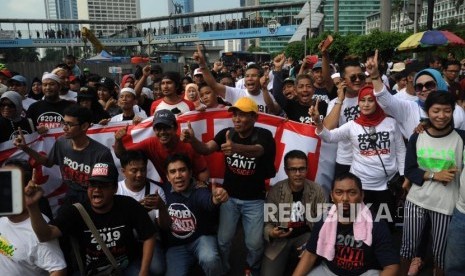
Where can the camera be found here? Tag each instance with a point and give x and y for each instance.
(11, 191)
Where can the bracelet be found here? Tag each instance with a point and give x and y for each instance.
(375, 78)
(337, 101)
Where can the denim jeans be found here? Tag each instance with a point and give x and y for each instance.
(455, 257)
(252, 221)
(157, 265)
(179, 259)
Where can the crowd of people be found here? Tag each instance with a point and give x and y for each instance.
(396, 138)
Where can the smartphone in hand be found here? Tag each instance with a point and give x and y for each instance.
(327, 42)
(282, 228)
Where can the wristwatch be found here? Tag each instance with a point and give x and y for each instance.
(431, 176)
(337, 101)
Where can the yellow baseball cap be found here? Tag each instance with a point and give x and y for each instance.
(244, 104)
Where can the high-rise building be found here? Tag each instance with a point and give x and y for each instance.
(352, 14)
(118, 10)
(62, 9)
(181, 6)
(276, 44)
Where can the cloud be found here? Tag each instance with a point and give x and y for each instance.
(23, 9)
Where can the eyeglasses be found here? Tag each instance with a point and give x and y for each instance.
(295, 170)
(10, 105)
(429, 85)
(360, 76)
(68, 124)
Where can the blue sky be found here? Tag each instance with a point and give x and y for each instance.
(149, 8)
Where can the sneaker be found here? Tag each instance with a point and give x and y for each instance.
(415, 266)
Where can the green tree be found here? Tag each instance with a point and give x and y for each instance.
(20, 55)
(52, 54)
(385, 42)
(295, 50)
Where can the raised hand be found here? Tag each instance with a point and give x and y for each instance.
(19, 141)
(219, 195)
(32, 192)
(315, 114)
(146, 70)
(278, 61)
(372, 65)
(119, 134)
(187, 133)
(324, 45)
(228, 147)
(199, 58)
(265, 79)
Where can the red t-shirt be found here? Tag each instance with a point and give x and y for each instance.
(157, 153)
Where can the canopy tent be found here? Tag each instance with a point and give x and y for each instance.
(102, 56)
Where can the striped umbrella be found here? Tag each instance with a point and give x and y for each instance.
(428, 39)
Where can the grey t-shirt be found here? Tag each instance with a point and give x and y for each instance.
(76, 165)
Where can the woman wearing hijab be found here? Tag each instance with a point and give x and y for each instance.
(409, 113)
(10, 117)
(377, 147)
(191, 93)
(36, 90)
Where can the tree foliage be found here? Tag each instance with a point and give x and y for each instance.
(343, 45)
(295, 50)
(52, 54)
(20, 55)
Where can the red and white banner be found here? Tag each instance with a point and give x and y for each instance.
(288, 135)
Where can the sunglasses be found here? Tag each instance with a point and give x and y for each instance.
(10, 105)
(429, 85)
(361, 77)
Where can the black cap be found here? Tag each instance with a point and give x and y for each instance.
(104, 172)
(165, 117)
(107, 83)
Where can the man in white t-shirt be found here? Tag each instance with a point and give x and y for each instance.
(344, 108)
(255, 86)
(136, 185)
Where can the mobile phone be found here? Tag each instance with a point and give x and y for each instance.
(11, 191)
(282, 228)
(328, 41)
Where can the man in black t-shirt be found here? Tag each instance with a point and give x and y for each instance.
(369, 254)
(48, 113)
(249, 160)
(115, 217)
